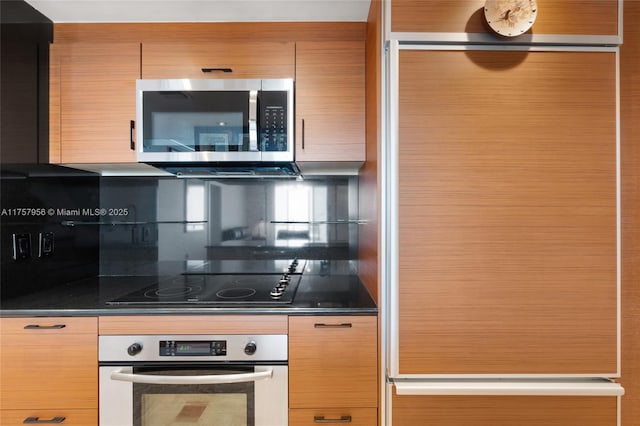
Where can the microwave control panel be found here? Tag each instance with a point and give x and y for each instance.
(273, 121)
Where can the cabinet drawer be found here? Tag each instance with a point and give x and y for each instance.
(246, 60)
(329, 416)
(71, 417)
(58, 326)
(504, 411)
(333, 361)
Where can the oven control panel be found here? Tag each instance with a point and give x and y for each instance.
(193, 348)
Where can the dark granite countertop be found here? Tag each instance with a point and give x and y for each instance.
(337, 292)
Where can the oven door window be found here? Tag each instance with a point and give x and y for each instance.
(229, 404)
(191, 121)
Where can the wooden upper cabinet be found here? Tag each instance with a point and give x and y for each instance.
(93, 102)
(561, 17)
(330, 101)
(507, 211)
(245, 60)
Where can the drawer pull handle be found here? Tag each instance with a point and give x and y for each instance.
(323, 419)
(36, 420)
(338, 325)
(44, 327)
(132, 130)
(217, 69)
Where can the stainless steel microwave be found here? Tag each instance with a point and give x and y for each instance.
(214, 121)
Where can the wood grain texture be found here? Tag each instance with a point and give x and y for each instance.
(97, 101)
(330, 98)
(208, 32)
(333, 367)
(368, 180)
(54, 104)
(247, 60)
(357, 416)
(71, 417)
(630, 158)
(563, 17)
(50, 369)
(194, 324)
(503, 411)
(507, 213)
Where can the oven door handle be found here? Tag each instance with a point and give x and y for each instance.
(214, 379)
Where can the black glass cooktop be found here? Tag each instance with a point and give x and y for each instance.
(216, 290)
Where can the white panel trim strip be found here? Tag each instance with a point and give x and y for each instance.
(511, 388)
(525, 39)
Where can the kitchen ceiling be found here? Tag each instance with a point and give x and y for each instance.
(75, 11)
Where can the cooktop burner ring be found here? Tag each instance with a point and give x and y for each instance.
(174, 291)
(236, 293)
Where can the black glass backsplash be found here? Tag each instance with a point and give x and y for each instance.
(166, 220)
(60, 224)
(38, 250)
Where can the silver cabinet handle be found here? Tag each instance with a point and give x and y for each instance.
(322, 419)
(36, 420)
(253, 117)
(336, 325)
(44, 327)
(214, 379)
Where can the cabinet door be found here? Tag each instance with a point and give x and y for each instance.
(49, 364)
(330, 101)
(507, 213)
(504, 411)
(97, 103)
(224, 60)
(332, 361)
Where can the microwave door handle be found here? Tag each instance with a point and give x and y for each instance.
(253, 120)
(192, 380)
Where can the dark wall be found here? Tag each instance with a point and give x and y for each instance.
(24, 86)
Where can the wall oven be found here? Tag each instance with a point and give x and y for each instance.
(214, 120)
(231, 380)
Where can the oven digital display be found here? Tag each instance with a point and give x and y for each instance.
(193, 348)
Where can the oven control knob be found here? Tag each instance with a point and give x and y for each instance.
(134, 349)
(250, 348)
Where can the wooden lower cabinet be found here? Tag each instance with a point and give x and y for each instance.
(504, 410)
(350, 416)
(63, 417)
(49, 369)
(333, 370)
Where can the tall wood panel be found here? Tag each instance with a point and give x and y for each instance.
(566, 17)
(369, 196)
(507, 213)
(630, 158)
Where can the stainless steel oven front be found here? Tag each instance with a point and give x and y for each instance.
(230, 380)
